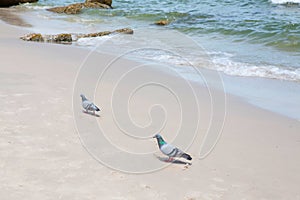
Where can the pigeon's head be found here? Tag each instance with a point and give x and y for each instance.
(83, 97)
(157, 136)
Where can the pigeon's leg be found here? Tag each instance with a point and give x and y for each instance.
(170, 159)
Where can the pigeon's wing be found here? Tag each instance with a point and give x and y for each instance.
(94, 107)
(89, 106)
(171, 151)
(86, 104)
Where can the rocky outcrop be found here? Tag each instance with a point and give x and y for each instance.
(7, 3)
(67, 38)
(77, 7)
(70, 9)
(59, 38)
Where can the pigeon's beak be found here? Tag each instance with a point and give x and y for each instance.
(154, 136)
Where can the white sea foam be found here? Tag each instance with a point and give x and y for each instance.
(219, 61)
(234, 68)
(285, 1)
(92, 41)
(224, 62)
(34, 7)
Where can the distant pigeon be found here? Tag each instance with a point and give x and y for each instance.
(88, 105)
(170, 150)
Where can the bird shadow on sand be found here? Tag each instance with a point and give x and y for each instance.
(174, 161)
(89, 113)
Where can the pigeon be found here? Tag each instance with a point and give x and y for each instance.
(170, 150)
(88, 105)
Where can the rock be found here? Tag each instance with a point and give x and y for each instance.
(106, 2)
(125, 31)
(63, 38)
(36, 37)
(57, 9)
(7, 3)
(99, 34)
(77, 7)
(163, 22)
(67, 38)
(59, 38)
(95, 5)
(70, 9)
(74, 8)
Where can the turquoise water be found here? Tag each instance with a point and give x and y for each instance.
(259, 38)
(259, 21)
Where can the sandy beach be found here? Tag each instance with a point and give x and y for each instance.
(50, 149)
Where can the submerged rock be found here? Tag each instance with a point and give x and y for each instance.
(163, 22)
(67, 38)
(7, 3)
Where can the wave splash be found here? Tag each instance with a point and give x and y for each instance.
(285, 1)
(234, 68)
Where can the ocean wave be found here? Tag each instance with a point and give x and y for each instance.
(34, 6)
(234, 68)
(219, 61)
(226, 65)
(92, 42)
(285, 1)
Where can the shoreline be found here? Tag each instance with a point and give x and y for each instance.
(10, 16)
(289, 91)
(43, 158)
(285, 93)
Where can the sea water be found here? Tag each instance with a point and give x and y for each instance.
(241, 38)
(245, 38)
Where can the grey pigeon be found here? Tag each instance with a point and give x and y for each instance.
(88, 105)
(170, 150)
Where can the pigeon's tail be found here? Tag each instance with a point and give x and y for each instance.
(186, 156)
(97, 109)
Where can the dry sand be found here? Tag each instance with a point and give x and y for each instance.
(42, 156)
